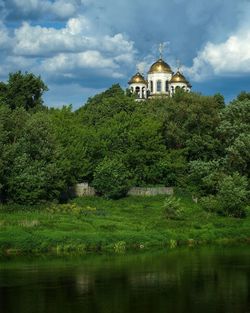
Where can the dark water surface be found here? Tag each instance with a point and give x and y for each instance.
(184, 280)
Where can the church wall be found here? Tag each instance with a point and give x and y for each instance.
(180, 85)
(163, 77)
(143, 92)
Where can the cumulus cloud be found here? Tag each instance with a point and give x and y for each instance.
(5, 39)
(76, 36)
(41, 41)
(75, 52)
(228, 58)
(32, 9)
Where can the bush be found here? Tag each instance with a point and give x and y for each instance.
(210, 203)
(172, 208)
(112, 178)
(233, 195)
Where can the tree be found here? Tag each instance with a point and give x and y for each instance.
(190, 122)
(112, 178)
(23, 90)
(35, 167)
(243, 96)
(105, 105)
(234, 134)
(233, 195)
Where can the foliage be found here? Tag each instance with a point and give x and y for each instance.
(112, 179)
(232, 195)
(189, 140)
(23, 90)
(33, 172)
(172, 208)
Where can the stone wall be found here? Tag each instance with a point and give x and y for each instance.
(150, 191)
(84, 190)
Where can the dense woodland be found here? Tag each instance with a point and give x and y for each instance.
(190, 141)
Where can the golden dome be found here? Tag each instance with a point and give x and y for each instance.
(137, 79)
(179, 78)
(160, 66)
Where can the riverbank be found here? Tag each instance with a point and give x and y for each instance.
(97, 225)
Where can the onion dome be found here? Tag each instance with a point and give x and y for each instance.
(137, 79)
(179, 78)
(160, 66)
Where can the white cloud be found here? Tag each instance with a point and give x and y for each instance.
(71, 61)
(230, 57)
(78, 35)
(5, 39)
(62, 9)
(74, 49)
(42, 41)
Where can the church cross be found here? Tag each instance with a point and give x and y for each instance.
(179, 65)
(161, 49)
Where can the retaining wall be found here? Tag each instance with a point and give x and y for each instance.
(84, 190)
(150, 191)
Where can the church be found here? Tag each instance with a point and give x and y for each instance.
(161, 81)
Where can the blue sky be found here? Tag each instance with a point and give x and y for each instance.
(81, 47)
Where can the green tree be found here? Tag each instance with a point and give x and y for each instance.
(112, 178)
(23, 90)
(233, 195)
(35, 168)
(234, 133)
(190, 122)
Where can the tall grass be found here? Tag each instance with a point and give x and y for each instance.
(96, 225)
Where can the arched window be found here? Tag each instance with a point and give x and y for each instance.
(151, 86)
(143, 93)
(158, 86)
(137, 91)
(166, 85)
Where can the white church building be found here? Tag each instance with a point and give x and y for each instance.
(161, 81)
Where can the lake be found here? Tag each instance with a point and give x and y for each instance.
(193, 280)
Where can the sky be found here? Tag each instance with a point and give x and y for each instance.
(82, 47)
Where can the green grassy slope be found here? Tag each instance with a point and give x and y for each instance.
(96, 224)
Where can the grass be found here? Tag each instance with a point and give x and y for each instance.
(97, 225)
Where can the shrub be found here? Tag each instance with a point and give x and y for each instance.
(210, 203)
(120, 247)
(172, 208)
(233, 195)
(112, 178)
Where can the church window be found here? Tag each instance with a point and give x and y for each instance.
(143, 93)
(158, 86)
(166, 85)
(151, 86)
(137, 91)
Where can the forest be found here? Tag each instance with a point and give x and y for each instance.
(193, 142)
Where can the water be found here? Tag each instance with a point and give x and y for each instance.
(183, 280)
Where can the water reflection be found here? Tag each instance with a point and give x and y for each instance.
(189, 280)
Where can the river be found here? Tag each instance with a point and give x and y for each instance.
(192, 280)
